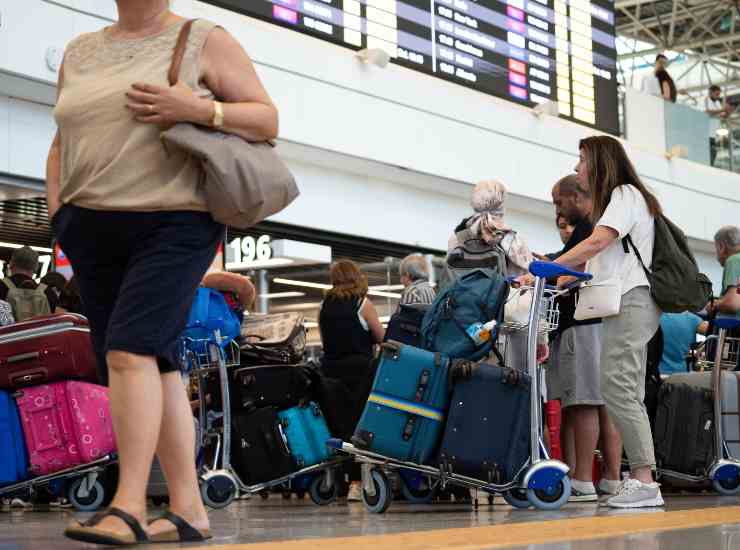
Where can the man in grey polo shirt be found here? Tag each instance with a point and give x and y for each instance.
(574, 373)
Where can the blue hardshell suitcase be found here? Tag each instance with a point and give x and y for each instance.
(487, 436)
(405, 413)
(13, 454)
(307, 433)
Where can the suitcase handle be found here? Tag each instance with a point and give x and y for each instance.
(29, 377)
(24, 357)
(424, 378)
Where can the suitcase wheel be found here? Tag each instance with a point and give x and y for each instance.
(85, 497)
(381, 500)
(517, 498)
(319, 494)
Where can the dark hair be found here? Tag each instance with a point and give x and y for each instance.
(55, 280)
(608, 168)
(26, 259)
(569, 186)
(660, 56)
(663, 76)
(347, 281)
(714, 88)
(561, 217)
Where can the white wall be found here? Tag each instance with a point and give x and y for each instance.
(395, 117)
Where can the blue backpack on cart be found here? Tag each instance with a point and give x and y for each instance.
(211, 312)
(477, 297)
(13, 454)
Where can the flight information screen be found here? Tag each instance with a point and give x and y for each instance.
(527, 51)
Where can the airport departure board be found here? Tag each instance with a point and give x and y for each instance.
(527, 51)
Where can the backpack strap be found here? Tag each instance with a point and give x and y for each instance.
(626, 243)
(9, 283)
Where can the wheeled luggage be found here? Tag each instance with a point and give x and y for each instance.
(65, 424)
(487, 436)
(259, 450)
(406, 409)
(684, 425)
(477, 297)
(45, 350)
(273, 339)
(307, 433)
(13, 454)
(281, 386)
(404, 325)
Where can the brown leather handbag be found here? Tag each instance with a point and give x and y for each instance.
(245, 182)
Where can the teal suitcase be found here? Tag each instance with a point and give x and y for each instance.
(307, 433)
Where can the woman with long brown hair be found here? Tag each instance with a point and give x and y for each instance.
(350, 328)
(624, 209)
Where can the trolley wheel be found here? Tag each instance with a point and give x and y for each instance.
(490, 500)
(86, 503)
(419, 496)
(727, 487)
(264, 495)
(553, 499)
(318, 495)
(287, 494)
(516, 498)
(383, 497)
(301, 494)
(218, 491)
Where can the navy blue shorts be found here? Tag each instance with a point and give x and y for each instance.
(137, 273)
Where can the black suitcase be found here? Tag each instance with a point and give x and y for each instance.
(404, 325)
(488, 427)
(336, 402)
(684, 428)
(259, 450)
(281, 386)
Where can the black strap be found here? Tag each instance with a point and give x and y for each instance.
(185, 531)
(424, 378)
(126, 518)
(626, 243)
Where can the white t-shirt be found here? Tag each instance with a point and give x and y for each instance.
(627, 214)
(651, 85)
(713, 105)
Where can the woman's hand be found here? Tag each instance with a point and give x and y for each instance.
(167, 106)
(543, 353)
(523, 280)
(565, 281)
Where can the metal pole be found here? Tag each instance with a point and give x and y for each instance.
(263, 305)
(532, 333)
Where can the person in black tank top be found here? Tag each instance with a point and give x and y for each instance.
(350, 328)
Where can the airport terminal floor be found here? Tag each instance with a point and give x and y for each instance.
(687, 521)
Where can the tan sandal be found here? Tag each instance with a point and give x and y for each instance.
(89, 532)
(183, 531)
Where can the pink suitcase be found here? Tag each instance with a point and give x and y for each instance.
(65, 424)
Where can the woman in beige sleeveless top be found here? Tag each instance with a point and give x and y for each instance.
(133, 220)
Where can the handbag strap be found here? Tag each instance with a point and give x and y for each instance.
(179, 52)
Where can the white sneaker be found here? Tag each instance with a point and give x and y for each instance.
(635, 494)
(608, 486)
(582, 491)
(20, 504)
(355, 493)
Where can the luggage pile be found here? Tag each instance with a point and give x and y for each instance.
(55, 422)
(445, 409)
(276, 427)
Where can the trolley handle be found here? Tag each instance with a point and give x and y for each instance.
(551, 270)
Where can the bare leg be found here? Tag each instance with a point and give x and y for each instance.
(136, 408)
(585, 424)
(176, 453)
(568, 440)
(611, 447)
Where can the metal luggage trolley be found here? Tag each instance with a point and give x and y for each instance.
(219, 482)
(724, 471)
(86, 485)
(542, 482)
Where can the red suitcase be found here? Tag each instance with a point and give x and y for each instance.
(46, 349)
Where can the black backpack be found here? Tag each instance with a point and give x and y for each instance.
(473, 254)
(676, 283)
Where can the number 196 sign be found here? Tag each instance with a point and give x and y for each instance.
(248, 249)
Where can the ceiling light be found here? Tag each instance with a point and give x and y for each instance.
(301, 253)
(386, 319)
(384, 294)
(258, 264)
(723, 132)
(306, 284)
(17, 246)
(311, 324)
(387, 287)
(276, 295)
